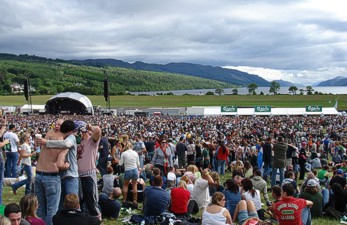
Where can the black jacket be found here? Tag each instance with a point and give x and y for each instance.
(74, 217)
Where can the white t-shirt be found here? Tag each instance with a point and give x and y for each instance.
(171, 176)
(27, 160)
(201, 193)
(13, 138)
(256, 199)
(130, 159)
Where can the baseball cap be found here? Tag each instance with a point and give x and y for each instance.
(339, 171)
(312, 183)
(80, 125)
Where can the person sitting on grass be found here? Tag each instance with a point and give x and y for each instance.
(72, 214)
(245, 213)
(290, 210)
(108, 181)
(216, 213)
(29, 205)
(109, 204)
(313, 194)
(13, 213)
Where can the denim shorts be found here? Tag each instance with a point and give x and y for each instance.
(244, 215)
(131, 174)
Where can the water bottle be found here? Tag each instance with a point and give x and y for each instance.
(143, 222)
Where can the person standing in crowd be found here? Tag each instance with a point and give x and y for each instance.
(191, 152)
(156, 200)
(69, 177)
(86, 158)
(29, 205)
(149, 144)
(181, 150)
(109, 204)
(25, 156)
(130, 160)
(267, 158)
(47, 181)
(278, 160)
(302, 160)
(104, 152)
(162, 158)
(71, 214)
(216, 213)
(2, 144)
(222, 156)
(12, 155)
(140, 148)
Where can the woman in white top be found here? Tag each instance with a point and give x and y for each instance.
(25, 159)
(249, 193)
(131, 162)
(216, 213)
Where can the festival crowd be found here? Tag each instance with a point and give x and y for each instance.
(248, 170)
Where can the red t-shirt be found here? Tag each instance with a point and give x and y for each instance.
(288, 211)
(179, 200)
(221, 155)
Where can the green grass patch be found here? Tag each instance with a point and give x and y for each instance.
(288, 101)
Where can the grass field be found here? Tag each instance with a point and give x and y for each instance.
(195, 100)
(8, 197)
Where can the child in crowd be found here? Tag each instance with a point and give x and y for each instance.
(171, 178)
(109, 181)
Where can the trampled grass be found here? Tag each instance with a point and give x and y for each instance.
(195, 100)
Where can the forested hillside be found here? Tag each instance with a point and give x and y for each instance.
(48, 76)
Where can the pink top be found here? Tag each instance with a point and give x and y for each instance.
(86, 156)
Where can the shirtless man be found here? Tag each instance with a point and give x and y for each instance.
(47, 180)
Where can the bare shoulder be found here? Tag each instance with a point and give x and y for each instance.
(51, 135)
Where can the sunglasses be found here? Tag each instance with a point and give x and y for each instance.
(164, 142)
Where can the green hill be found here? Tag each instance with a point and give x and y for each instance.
(48, 76)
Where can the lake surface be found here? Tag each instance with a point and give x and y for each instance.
(244, 90)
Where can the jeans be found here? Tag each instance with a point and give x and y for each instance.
(102, 165)
(47, 190)
(26, 182)
(1, 178)
(11, 164)
(221, 167)
(90, 197)
(267, 170)
(273, 176)
(142, 160)
(325, 194)
(306, 216)
(68, 185)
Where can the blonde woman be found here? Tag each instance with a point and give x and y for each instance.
(131, 162)
(29, 205)
(179, 199)
(25, 159)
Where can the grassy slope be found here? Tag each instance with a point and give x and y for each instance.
(193, 100)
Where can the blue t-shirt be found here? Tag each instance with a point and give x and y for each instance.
(109, 207)
(231, 200)
(156, 201)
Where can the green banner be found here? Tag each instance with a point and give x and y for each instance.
(314, 108)
(227, 108)
(262, 108)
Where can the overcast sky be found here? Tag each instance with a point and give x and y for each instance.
(302, 41)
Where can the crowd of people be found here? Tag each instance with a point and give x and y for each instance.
(85, 168)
